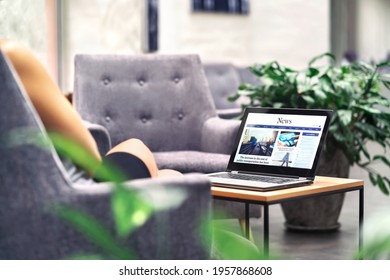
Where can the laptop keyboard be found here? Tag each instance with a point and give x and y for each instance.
(267, 179)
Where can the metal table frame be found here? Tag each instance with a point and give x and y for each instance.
(266, 205)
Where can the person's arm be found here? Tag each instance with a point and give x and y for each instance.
(54, 109)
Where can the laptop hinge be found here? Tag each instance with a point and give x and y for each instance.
(266, 174)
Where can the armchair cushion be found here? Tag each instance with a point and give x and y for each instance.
(188, 161)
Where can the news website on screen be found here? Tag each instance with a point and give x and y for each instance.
(280, 140)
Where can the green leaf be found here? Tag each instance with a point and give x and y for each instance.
(311, 72)
(320, 94)
(372, 178)
(383, 64)
(329, 55)
(326, 84)
(363, 67)
(386, 84)
(364, 148)
(387, 180)
(310, 100)
(345, 87)
(65, 147)
(333, 129)
(345, 69)
(94, 231)
(85, 257)
(231, 246)
(289, 70)
(243, 87)
(74, 151)
(377, 101)
(368, 129)
(277, 105)
(257, 70)
(129, 210)
(345, 116)
(374, 248)
(381, 185)
(339, 137)
(233, 98)
(81, 157)
(249, 93)
(26, 136)
(364, 164)
(383, 159)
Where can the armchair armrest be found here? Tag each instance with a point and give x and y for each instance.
(101, 136)
(218, 135)
(229, 113)
(172, 233)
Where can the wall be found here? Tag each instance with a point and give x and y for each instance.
(100, 26)
(291, 31)
(373, 38)
(24, 21)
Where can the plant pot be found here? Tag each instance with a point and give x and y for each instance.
(319, 213)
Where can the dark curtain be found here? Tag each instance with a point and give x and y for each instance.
(152, 25)
(224, 6)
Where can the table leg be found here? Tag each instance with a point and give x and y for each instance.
(361, 218)
(266, 231)
(247, 220)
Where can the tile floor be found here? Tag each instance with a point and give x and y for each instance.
(337, 245)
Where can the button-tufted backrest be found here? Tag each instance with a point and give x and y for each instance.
(247, 77)
(161, 99)
(224, 80)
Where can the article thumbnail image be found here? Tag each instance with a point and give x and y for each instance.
(258, 142)
(288, 138)
(283, 159)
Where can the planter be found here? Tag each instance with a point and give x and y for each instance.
(319, 213)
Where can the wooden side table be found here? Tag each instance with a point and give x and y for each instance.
(321, 186)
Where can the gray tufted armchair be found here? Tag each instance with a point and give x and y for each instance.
(224, 80)
(32, 180)
(165, 101)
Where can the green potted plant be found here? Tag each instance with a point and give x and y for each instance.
(355, 93)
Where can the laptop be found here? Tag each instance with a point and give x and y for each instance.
(275, 149)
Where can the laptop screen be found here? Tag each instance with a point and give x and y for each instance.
(271, 140)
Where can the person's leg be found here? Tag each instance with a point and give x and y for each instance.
(55, 111)
(168, 173)
(137, 148)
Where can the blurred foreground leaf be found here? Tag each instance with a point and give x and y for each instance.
(94, 231)
(376, 238)
(129, 211)
(231, 246)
